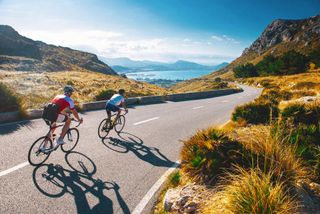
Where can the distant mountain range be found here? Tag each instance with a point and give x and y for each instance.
(18, 53)
(126, 65)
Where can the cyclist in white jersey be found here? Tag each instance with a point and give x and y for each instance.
(114, 104)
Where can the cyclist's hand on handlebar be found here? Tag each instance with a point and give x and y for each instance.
(81, 120)
(126, 110)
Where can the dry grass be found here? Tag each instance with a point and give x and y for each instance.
(253, 192)
(39, 88)
(273, 153)
(299, 85)
(200, 84)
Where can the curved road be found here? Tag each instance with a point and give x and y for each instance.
(109, 176)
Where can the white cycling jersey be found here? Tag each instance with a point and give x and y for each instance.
(116, 100)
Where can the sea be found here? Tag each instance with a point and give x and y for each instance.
(168, 75)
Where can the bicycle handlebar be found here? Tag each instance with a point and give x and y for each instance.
(79, 123)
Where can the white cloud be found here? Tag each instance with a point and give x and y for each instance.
(224, 38)
(117, 44)
(217, 38)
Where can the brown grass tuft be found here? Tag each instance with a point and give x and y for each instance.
(253, 192)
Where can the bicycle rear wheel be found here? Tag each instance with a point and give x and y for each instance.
(104, 128)
(71, 140)
(40, 151)
(120, 124)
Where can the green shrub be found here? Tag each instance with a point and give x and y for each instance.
(206, 154)
(266, 83)
(9, 101)
(218, 79)
(306, 140)
(221, 85)
(255, 113)
(274, 96)
(105, 94)
(300, 113)
(296, 112)
(315, 57)
(291, 62)
(175, 178)
(243, 71)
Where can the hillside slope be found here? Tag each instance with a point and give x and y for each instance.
(18, 53)
(279, 37)
(36, 89)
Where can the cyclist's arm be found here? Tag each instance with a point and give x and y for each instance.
(76, 115)
(124, 106)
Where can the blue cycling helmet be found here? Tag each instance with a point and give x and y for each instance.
(68, 89)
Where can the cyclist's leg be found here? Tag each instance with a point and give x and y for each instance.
(65, 127)
(53, 127)
(67, 121)
(117, 117)
(109, 114)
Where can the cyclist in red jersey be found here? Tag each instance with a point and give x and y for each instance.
(65, 103)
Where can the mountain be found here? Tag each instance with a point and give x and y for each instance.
(279, 37)
(126, 62)
(19, 53)
(127, 65)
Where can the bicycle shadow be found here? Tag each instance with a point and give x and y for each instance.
(127, 142)
(55, 181)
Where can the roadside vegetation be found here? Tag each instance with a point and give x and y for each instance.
(291, 62)
(267, 158)
(207, 84)
(36, 89)
(9, 100)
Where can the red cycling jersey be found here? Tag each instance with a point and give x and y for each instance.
(63, 102)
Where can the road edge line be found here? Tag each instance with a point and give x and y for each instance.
(153, 190)
(12, 169)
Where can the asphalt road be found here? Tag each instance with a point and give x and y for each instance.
(104, 176)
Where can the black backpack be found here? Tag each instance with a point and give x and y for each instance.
(50, 113)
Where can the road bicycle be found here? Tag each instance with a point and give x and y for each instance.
(41, 149)
(106, 125)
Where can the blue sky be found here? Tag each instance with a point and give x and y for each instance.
(164, 30)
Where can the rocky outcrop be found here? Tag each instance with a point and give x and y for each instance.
(284, 31)
(185, 199)
(19, 53)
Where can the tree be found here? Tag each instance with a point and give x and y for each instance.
(247, 70)
(314, 57)
(294, 62)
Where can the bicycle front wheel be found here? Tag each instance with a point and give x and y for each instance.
(40, 151)
(71, 140)
(104, 128)
(120, 124)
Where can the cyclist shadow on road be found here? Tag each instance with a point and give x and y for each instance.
(55, 181)
(126, 142)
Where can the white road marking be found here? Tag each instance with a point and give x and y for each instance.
(143, 203)
(225, 101)
(21, 165)
(198, 107)
(145, 121)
